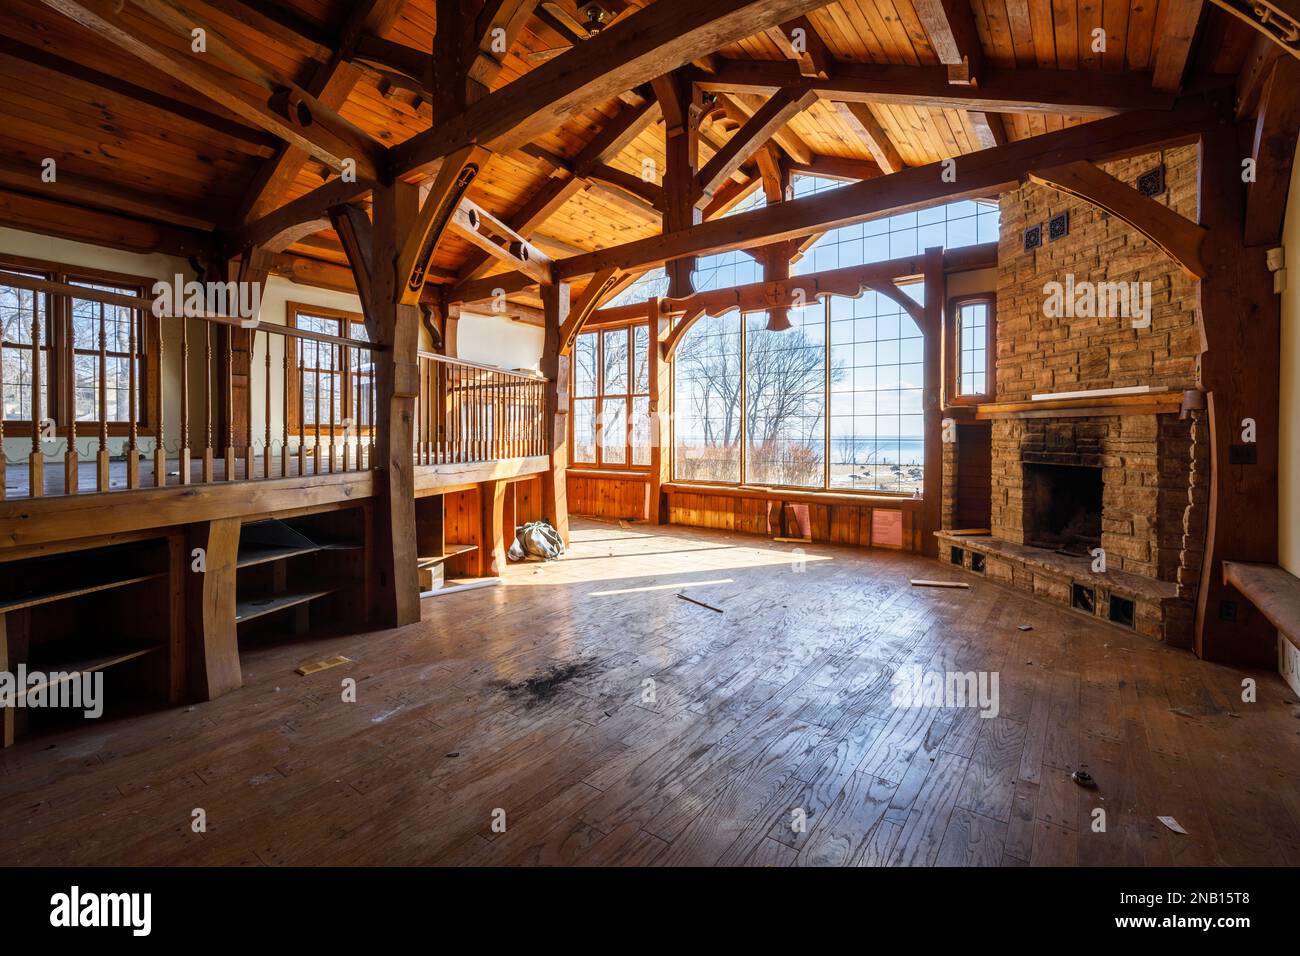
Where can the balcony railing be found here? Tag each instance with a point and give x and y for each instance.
(468, 412)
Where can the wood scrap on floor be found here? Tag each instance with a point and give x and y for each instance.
(326, 664)
(926, 583)
(700, 603)
(1172, 824)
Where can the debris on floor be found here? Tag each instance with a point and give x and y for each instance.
(1025, 627)
(1084, 779)
(1172, 824)
(324, 665)
(700, 603)
(546, 685)
(926, 583)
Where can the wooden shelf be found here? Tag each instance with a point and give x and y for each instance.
(68, 671)
(253, 608)
(449, 551)
(1146, 403)
(1275, 591)
(249, 557)
(63, 594)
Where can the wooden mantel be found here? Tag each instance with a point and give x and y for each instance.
(1150, 403)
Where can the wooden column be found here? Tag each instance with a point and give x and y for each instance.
(210, 609)
(492, 531)
(931, 513)
(681, 187)
(555, 366)
(1239, 318)
(396, 595)
(660, 405)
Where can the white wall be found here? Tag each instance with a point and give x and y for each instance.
(498, 340)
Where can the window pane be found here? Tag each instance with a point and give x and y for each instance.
(17, 309)
(584, 361)
(706, 401)
(613, 433)
(785, 375)
(584, 431)
(615, 362)
(877, 438)
(641, 431)
(972, 327)
(640, 363)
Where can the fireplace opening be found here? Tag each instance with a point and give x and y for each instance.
(1063, 507)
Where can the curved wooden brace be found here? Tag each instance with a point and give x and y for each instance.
(1178, 237)
(909, 305)
(598, 289)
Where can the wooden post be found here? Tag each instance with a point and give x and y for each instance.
(931, 514)
(101, 458)
(1239, 317)
(208, 408)
(132, 409)
(491, 538)
(36, 460)
(213, 644)
(555, 504)
(160, 425)
(184, 454)
(660, 403)
(396, 594)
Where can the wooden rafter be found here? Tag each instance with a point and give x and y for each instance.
(741, 108)
(302, 120)
(1180, 238)
(799, 41)
(1273, 150)
(1277, 20)
(762, 126)
(984, 173)
(1000, 90)
(647, 43)
(950, 25)
(445, 195)
(314, 205)
(1176, 39)
(331, 84)
(873, 134)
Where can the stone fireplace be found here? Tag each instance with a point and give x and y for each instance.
(1073, 465)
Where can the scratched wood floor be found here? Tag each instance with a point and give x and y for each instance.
(781, 701)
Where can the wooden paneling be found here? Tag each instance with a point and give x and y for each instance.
(604, 496)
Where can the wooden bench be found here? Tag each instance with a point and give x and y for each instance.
(1271, 589)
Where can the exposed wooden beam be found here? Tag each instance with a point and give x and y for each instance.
(643, 45)
(1273, 150)
(357, 236)
(49, 217)
(445, 195)
(652, 194)
(1277, 20)
(484, 230)
(1073, 92)
(301, 119)
(331, 84)
(741, 108)
(1180, 238)
(313, 206)
(834, 167)
(774, 114)
(507, 16)
(987, 128)
(389, 56)
(621, 129)
(860, 118)
(153, 105)
(1176, 38)
(984, 173)
(951, 28)
(799, 40)
(597, 290)
(26, 177)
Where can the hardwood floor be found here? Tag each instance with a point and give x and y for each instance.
(532, 700)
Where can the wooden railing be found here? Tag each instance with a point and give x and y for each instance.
(468, 412)
(316, 409)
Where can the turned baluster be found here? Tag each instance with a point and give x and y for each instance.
(284, 413)
(266, 404)
(184, 454)
(36, 460)
(208, 409)
(315, 448)
(160, 426)
(101, 457)
(230, 406)
(132, 429)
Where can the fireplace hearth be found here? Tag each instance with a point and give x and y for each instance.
(1062, 507)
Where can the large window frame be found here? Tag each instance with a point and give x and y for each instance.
(631, 395)
(350, 325)
(59, 346)
(954, 347)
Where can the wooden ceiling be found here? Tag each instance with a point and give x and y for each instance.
(129, 136)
